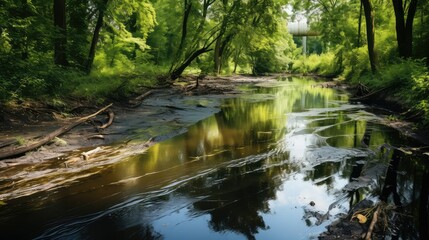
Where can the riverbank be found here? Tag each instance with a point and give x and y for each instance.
(137, 125)
(396, 113)
(23, 122)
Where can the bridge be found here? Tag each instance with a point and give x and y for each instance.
(301, 29)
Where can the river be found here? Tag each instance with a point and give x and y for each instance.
(273, 163)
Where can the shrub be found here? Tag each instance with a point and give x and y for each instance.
(323, 64)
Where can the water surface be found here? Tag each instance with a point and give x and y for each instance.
(249, 171)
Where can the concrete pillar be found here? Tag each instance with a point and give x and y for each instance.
(304, 45)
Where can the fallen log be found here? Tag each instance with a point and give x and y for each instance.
(21, 150)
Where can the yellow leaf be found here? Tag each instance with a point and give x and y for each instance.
(2, 203)
(362, 219)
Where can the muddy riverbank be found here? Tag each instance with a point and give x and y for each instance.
(162, 115)
(163, 108)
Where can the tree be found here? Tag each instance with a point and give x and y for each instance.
(101, 12)
(370, 35)
(60, 41)
(78, 32)
(189, 51)
(404, 16)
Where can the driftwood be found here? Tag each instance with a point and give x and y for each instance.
(139, 100)
(86, 155)
(373, 222)
(97, 136)
(143, 96)
(111, 116)
(21, 150)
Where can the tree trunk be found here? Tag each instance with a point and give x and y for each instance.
(77, 33)
(96, 36)
(217, 55)
(179, 70)
(404, 28)
(369, 19)
(60, 32)
(179, 52)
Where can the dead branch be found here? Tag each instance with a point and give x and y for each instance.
(86, 155)
(369, 94)
(97, 136)
(111, 116)
(143, 96)
(139, 100)
(373, 222)
(20, 150)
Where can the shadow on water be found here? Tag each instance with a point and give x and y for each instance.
(405, 188)
(282, 161)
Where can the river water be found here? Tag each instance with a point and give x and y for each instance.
(275, 163)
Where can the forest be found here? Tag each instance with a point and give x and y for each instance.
(104, 49)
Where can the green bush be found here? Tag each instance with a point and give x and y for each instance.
(356, 64)
(324, 64)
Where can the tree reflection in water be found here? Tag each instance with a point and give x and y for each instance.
(236, 197)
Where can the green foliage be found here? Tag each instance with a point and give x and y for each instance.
(412, 79)
(21, 140)
(409, 82)
(356, 64)
(5, 40)
(269, 60)
(323, 64)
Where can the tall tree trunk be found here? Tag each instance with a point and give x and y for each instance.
(369, 19)
(60, 32)
(221, 42)
(179, 51)
(404, 27)
(220, 49)
(23, 11)
(96, 36)
(217, 55)
(77, 33)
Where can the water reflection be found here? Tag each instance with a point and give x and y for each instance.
(249, 171)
